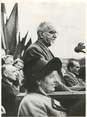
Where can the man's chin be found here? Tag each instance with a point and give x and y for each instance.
(52, 90)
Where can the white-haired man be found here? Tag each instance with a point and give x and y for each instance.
(46, 37)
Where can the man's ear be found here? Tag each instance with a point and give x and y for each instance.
(71, 68)
(5, 73)
(41, 34)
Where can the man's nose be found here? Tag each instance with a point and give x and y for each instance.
(56, 79)
(78, 68)
(54, 36)
(17, 75)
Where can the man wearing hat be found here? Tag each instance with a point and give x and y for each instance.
(42, 79)
(46, 37)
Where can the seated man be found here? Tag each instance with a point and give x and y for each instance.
(71, 77)
(9, 91)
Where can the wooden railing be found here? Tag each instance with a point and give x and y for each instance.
(73, 101)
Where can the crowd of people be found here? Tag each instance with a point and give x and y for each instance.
(38, 74)
(12, 77)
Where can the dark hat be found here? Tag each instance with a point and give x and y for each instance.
(42, 67)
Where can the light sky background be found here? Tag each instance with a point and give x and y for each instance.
(68, 18)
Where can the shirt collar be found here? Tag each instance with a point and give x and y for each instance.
(40, 90)
(41, 43)
(72, 74)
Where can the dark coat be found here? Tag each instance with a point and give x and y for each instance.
(9, 98)
(36, 51)
(72, 80)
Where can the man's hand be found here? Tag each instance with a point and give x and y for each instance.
(80, 48)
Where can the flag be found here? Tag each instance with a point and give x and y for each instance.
(28, 44)
(19, 38)
(4, 41)
(20, 47)
(11, 29)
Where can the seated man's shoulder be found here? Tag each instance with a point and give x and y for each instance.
(68, 75)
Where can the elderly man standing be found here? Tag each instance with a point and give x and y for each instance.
(46, 36)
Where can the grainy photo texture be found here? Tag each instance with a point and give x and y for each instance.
(43, 59)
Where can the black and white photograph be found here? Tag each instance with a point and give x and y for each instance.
(43, 58)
